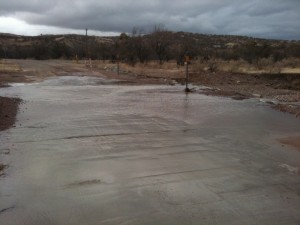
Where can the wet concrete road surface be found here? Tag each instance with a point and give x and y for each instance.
(87, 153)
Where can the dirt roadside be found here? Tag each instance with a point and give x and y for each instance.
(281, 91)
(2, 167)
(8, 112)
(291, 141)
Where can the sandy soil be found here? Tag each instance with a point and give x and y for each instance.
(291, 141)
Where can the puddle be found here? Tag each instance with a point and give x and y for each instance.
(71, 81)
(87, 151)
(77, 81)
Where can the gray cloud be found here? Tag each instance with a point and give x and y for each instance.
(260, 18)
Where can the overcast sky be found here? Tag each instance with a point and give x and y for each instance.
(278, 19)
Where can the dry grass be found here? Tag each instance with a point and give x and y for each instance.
(154, 69)
(8, 67)
(171, 71)
(290, 63)
(150, 69)
(265, 65)
(291, 70)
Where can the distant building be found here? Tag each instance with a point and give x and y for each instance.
(230, 45)
(217, 46)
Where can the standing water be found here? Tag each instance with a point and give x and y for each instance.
(90, 151)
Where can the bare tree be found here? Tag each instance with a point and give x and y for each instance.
(140, 44)
(160, 42)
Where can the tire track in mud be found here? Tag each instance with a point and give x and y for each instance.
(105, 135)
(7, 209)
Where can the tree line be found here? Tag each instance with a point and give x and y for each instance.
(161, 45)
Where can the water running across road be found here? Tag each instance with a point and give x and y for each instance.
(89, 151)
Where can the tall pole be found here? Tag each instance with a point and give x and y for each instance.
(86, 45)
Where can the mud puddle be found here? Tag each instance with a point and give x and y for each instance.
(87, 153)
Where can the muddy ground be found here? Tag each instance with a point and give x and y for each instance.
(279, 87)
(2, 167)
(8, 111)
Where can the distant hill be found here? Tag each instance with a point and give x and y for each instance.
(173, 44)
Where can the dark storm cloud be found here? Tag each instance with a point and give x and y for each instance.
(262, 18)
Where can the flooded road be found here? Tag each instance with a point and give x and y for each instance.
(89, 151)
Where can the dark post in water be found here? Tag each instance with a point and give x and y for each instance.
(187, 59)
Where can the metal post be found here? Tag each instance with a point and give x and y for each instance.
(186, 76)
(187, 60)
